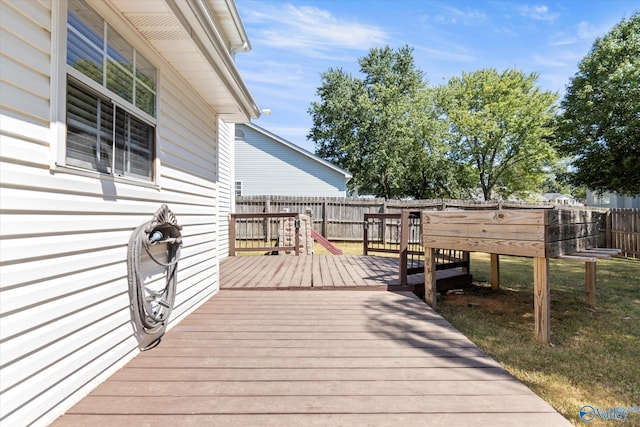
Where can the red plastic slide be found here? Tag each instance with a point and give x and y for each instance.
(325, 243)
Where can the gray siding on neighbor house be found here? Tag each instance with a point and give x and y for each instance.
(612, 200)
(265, 166)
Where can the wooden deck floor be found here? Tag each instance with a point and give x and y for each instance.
(319, 272)
(291, 358)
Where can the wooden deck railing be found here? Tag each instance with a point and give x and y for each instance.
(400, 233)
(252, 232)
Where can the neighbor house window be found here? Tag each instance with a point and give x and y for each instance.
(238, 188)
(602, 198)
(111, 99)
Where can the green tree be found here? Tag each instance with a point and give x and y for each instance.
(378, 127)
(499, 129)
(558, 180)
(600, 124)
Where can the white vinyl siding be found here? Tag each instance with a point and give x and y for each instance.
(226, 199)
(64, 304)
(267, 167)
(24, 87)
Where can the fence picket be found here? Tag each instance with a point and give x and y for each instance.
(625, 231)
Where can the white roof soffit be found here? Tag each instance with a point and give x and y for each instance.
(198, 37)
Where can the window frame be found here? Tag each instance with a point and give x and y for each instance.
(602, 198)
(61, 72)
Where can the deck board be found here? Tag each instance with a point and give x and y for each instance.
(328, 358)
(318, 404)
(320, 272)
(317, 420)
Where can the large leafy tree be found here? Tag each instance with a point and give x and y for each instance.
(499, 129)
(380, 127)
(600, 124)
(558, 180)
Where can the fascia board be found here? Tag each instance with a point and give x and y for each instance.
(198, 19)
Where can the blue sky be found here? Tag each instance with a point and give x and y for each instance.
(293, 42)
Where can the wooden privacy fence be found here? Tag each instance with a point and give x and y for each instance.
(623, 226)
(339, 218)
(335, 218)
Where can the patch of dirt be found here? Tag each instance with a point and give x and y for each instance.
(482, 296)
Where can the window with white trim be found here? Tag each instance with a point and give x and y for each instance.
(238, 188)
(111, 99)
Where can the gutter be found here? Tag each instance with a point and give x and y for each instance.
(245, 46)
(214, 47)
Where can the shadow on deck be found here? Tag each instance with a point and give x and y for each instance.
(288, 358)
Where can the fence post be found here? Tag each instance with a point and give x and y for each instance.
(615, 228)
(308, 240)
(430, 284)
(607, 229)
(495, 272)
(404, 245)
(541, 299)
(383, 231)
(267, 221)
(296, 224)
(365, 236)
(232, 235)
(325, 208)
(590, 283)
(466, 257)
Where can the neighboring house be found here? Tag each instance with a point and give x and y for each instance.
(269, 165)
(612, 200)
(108, 109)
(560, 199)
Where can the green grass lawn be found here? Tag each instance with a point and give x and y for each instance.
(594, 356)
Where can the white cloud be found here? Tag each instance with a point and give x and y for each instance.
(588, 31)
(505, 30)
(309, 30)
(564, 41)
(467, 17)
(581, 35)
(265, 70)
(454, 16)
(538, 13)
